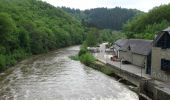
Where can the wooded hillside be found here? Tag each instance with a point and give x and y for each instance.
(148, 24)
(104, 18)
(32, 27)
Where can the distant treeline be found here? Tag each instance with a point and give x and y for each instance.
(31, 27)
(148, 24)
(104, 18)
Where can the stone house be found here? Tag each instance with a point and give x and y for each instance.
(119, 44)
(135, 51)
(160, 67)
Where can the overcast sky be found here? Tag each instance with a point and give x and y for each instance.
(143, 5)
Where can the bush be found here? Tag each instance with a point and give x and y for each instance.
(2, 49)
(87, 58)
(19, 54)
(2, 62)
(10, 60)
(82, 51)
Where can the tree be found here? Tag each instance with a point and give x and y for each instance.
(91, 39)
(148, 24)
(7, 26)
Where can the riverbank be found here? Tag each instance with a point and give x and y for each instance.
(86, 57)
(30, 58)
(54, 76)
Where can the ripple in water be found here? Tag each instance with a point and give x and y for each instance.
(56, 77)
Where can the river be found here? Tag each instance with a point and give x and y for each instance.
(54, 76)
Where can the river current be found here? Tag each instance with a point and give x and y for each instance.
(54, 76)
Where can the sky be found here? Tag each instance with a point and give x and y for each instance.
(143, 5)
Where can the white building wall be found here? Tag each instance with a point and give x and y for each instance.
(156, 72)
(139, 60)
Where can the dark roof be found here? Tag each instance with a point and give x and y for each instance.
(160, 34)
(138, 46)
(121, 42)
(167, 30)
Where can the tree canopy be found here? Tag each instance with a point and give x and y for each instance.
(148, 24)
(104, 18)
(32, 27)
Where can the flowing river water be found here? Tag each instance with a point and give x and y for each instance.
(54, 76)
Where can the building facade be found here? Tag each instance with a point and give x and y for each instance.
(160, 67)
(135, 51)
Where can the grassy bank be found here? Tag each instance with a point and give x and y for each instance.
(84, 56)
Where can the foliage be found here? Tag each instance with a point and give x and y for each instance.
(111, 36)
(6, 24)
(82, 51)
(147, 24)
(31, 27)
(92, 37)
(87, 58)
(104, 18)
(84, 55)
(96, 36)
(2, 62)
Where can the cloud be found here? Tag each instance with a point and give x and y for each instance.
(143, 5)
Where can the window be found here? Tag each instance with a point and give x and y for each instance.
(165, 65)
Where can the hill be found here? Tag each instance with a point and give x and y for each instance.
(104, 18)
(148, 24)
(31, 27)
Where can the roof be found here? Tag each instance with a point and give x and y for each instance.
(167, 30)
(121, 42)
(160, 34)
(138, 46)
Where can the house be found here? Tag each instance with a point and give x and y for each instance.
(134, 51)
(160, 67)
(119, 44)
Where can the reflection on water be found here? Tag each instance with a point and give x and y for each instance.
(54, 76)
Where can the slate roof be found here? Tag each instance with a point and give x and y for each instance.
(160, 34)
(138, 46)
(167, 30)
(121, 42)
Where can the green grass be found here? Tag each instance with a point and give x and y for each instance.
(87, 58)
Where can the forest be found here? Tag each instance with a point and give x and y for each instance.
(147, 25)
(30, 27)
(104, 18)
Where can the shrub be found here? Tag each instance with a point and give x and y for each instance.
(10, 60)
(2, 62)
(19, 54)
(87, 58)
(82, 51)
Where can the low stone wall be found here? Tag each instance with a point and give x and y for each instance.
(147, 90)
(134, 79)
(154, 91)
(115, 72)
(102, 67)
